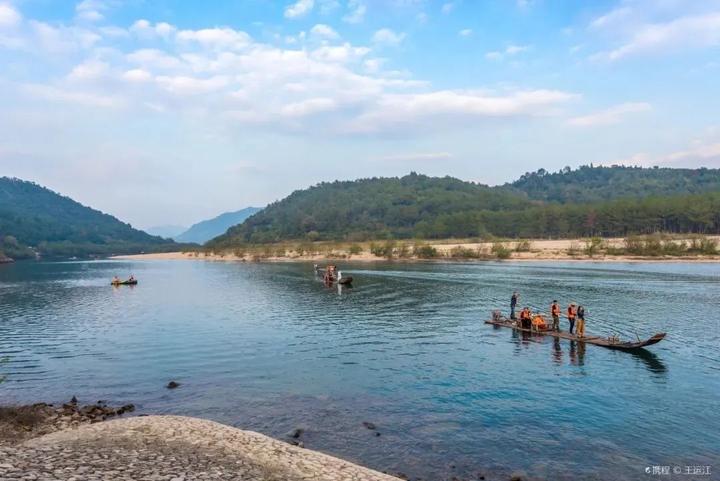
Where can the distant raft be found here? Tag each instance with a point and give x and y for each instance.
(609, 342)
(129, 282)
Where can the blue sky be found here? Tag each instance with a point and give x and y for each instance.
(169, 112)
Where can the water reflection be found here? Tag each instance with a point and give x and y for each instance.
(651, 361)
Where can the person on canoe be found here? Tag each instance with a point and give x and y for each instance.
(555, 312)
(525, 316)
(132, 278)
(571, 313)
(116, 280)
(513, 303)
(580, 332)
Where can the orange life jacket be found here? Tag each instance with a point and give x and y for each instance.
(555, 309)
(524, 314)
(571, 312)
(539, 321)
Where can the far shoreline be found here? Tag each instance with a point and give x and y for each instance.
(445, 251)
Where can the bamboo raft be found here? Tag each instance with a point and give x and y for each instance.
(610, 343)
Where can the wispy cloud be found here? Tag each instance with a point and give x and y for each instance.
(299, 8)
(609, 116)
(386, 36)
(509, 51)
(638, 28)
(466, 32)
(356, 11)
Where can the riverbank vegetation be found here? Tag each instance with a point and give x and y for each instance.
(490, 248)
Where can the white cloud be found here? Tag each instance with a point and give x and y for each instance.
(299, 8)
(324, 31)
(62, 39)
(89, 70)
(466, 32)
(403, 111)
(385, 36)
(509, 51)
(183, 85)
(693, 31)
(144, 28)
(373, 65)
(9, 16)
(222, 38)
(611, 18)
(308, 107)
(356, 11)
(154, 59)
(56, 94)
(447, 7)
(328, 6)
(137, 75)
(340, 53)
(90, 10)
(612, 115)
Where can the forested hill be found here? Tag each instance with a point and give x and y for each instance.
(417, 206)
(54, 225)
(595, 184)
(411, 206)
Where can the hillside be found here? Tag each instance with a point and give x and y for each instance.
(411, 206)
(596, 184)
(54, 225)
(417, 206)
(208, 229)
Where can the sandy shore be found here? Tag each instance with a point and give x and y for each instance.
(171, 448)
(535, 250)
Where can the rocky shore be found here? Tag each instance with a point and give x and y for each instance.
(166, 448)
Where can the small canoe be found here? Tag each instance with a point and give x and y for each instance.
(345, 280)
(124, 283)
(610, 343)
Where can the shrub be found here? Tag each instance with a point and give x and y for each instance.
(460, 252)
(403, 251)
(383, 250)
(593, 246)
(523, 246)
(500, 250)
(424, 251)
(573, 250)
(355, 249)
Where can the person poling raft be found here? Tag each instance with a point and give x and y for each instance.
(131, 281)
(331, 274)
(535, 323)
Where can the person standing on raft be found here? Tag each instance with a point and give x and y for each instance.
(555, 312)
(571, 313)
(580, 332)
(525, 318)
(513, 303)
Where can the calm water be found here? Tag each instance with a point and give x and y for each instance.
(269, 348)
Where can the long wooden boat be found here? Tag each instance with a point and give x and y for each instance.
(610, 343)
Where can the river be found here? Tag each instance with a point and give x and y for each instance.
(268, 347)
